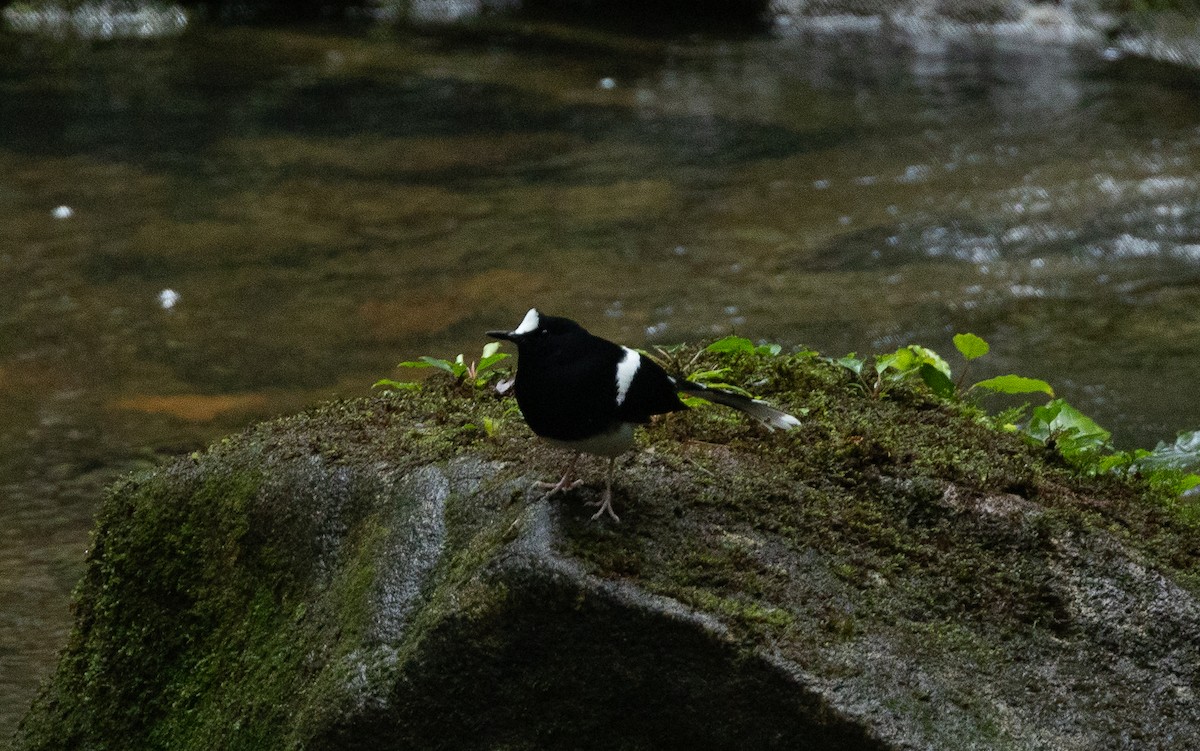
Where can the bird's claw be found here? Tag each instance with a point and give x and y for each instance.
(605, 506)
(561, 486)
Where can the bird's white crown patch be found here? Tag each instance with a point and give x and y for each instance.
(529, 323)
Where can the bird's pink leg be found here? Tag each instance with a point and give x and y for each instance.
(606, 499)
(568, 481)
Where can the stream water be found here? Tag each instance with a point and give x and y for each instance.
(210, 230)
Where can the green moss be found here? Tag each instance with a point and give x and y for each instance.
(230, 598)
(870, 514)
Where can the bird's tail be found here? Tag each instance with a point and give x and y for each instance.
(756, 408)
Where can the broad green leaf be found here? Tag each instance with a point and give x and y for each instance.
(1039, 421)
(731, 344)
(1113, 462)
(445, 365)
(903, 360)
(1075, 446)
(971, 346)
(1015, 384)
(1074, 432)
(852, 363)
(388, 383)
(937, 381)
(900, 360)
(456, 369)
(926, 356)
(490, 360)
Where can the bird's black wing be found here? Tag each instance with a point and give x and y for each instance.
(568, 391)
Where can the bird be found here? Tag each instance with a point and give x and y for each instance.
(586, 394)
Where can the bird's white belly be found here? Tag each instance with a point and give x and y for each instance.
(612, 443)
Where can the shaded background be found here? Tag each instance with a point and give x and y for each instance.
(254, 215)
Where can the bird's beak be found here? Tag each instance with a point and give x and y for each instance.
(506, 335)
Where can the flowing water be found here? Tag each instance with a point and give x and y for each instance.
(210, 230)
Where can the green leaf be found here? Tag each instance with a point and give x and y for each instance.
(852, 363)
(769, 349)
(937, 381)
(388, 383)
(433, 362)
(455, 368)
(731, 344)
(490, 349)
(490, 360)
(1015, 384)
(926, 356)
(1039, 422)
(490, 425)
(901, 360)
(971, 346)
(909, 359)
(1074, 432)
(1120, 461)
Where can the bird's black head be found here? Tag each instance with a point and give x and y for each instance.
(537, 330)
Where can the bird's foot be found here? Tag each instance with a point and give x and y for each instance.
(568, 481)
(605, 504)
(562, 486)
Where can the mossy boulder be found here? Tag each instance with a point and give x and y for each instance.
(377, 574)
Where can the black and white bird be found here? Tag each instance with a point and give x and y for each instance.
(586, 394)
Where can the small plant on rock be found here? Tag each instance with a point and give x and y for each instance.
(476, 374)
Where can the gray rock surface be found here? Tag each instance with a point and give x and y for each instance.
(378, 575)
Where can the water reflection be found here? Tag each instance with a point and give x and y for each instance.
(97, 20)
(194, 241)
